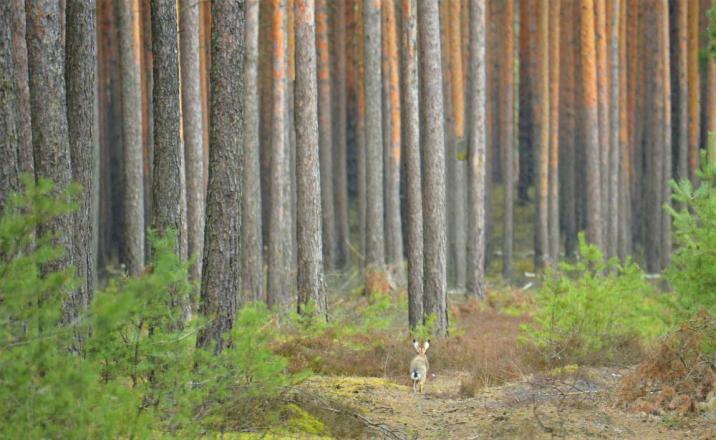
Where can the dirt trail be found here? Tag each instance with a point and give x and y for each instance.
(577, 407)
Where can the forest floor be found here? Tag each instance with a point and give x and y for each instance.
(573, 406)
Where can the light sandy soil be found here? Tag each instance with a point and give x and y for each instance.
(573, 405)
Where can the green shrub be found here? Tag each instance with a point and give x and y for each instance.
(593, 310)
(139, 374)
(693, 270)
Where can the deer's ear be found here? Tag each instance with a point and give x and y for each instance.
(427, 344)
(416, 345)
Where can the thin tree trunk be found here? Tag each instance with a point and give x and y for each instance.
(625, 238)
(325, 134)
(220, 281)
(169, 183)
(567, 123)
(361, 136)
(279, 237)
(48, 105)
(542, 114)
(554, 141)
(694, 89)
(614, 130)
(310, 254)
(133, 209)
(507, 138)
(602, 39)
(682, 110)
(588, 57)
(251, 239)
(375, 252)
(435, 242)
(411, 124)
(340, 159)
(665, 184)
(82, 119)
(192, 119)
(476, 160)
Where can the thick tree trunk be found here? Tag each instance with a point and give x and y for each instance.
(340, 159)
(431, 98)
(82, 119)
(411, 124)
(169, 188)
(590, 122)
(476, 159)
(133, 208)
(308, 177)
(9, 125)
(192, 123)
(22, 113)
(48, 104)
(507, 138)
(374, 252)
(220, 281)
(252, 284)
(325, 134)
(279, 236)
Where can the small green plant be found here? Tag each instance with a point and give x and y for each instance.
(693, 270)
(592, 310)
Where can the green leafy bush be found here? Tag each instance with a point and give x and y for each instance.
(593, 311)
(693, 270)
(139, 374)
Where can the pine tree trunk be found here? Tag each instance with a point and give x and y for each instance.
(48, 105)
(507, 131)
(169, 186)
(666, 133)
(221, 266)
(476, 160)
(554, 141)
(192, 123)
(602, 39)
(310, 254)
(340, 158)
(133, 208)
(279, 236)
(361, 136)
(614, 149)
(694, 89)
(325, 134)
(374, 253)
(431, 98)
(82, 119)
(9, 125)
(411, 120)
(22, 91)
(682, 104)
(542, 114)
(567, 124)
(252, 285)
(590, 117)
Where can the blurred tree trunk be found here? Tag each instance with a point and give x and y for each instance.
(48, 105)
(192, 123)
(476, 159)
(265, 112)
(434, 233)
(279, 236)
(169, 183)
(10, 169)
(602, 39)
(220, 282)
(252, 285)
(682, 89)
(507, 137)
(374, 252)
(614, 129)
(411, 124)
(325, 134)
(133, 209)
(568, 126)
(666, 132)
(340, 159)
(393, 229)
(590, 122)
(310, 255)
(542, 156)
(694, 89)
(625, 237)
(527, 55)
(361, 136)
(22, 92)
(554, 140)
(83, 129)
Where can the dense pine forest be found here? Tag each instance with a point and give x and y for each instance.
(357, 219)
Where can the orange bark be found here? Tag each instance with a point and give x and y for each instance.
(393, 80)
(694, 88)
(456, 70)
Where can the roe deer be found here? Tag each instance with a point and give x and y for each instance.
(419, 365)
